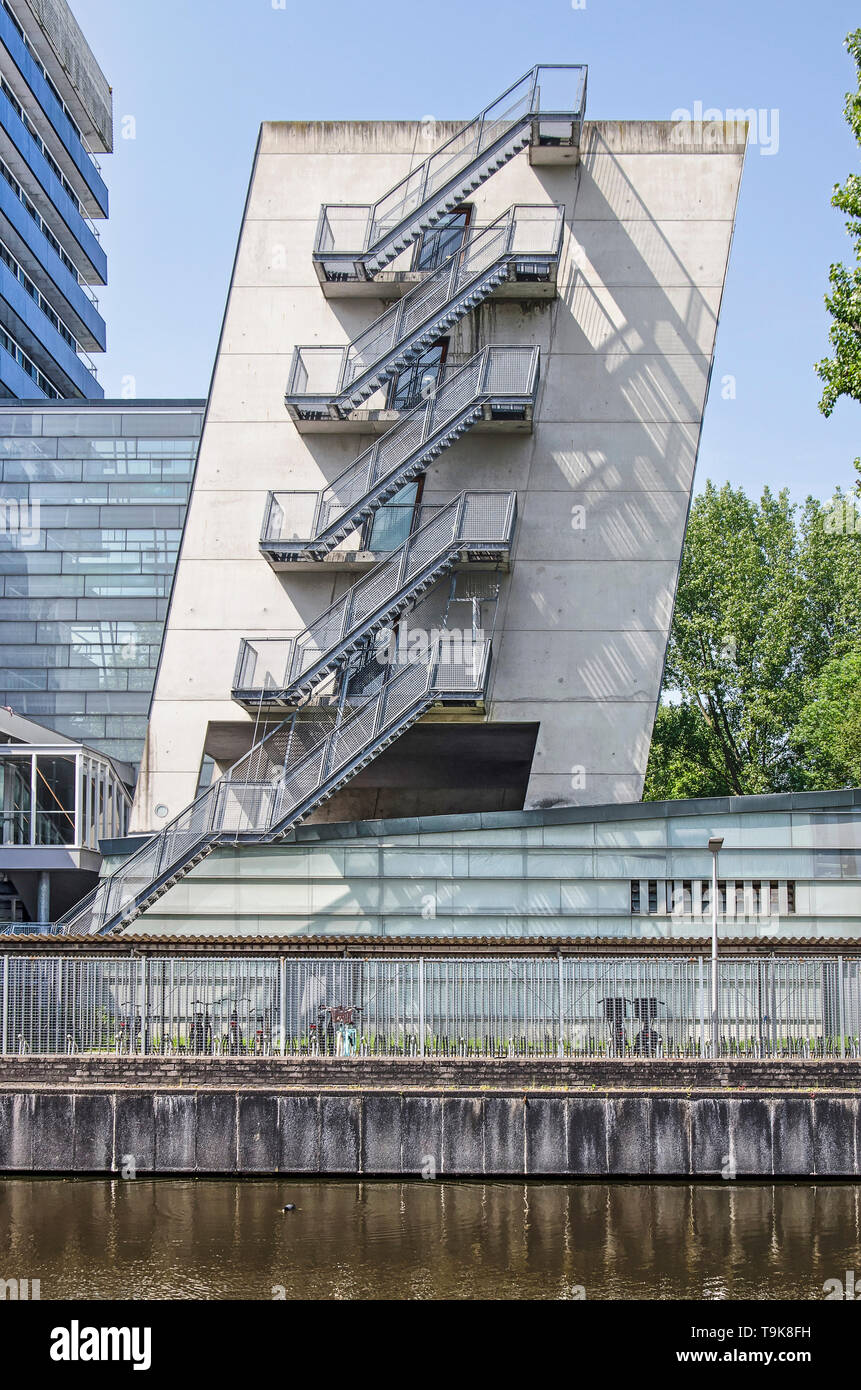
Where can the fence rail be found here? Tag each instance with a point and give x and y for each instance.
(562, 1007)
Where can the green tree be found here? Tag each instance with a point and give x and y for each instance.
(768, 595)
(841, 372)
(828, 734)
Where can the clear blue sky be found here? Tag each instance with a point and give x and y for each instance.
(199, 76)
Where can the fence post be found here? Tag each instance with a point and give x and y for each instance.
(282, 1002)
(140, 1011)
(702, 1012)
(560, 1039)
(4, 1042)
(421, 1006)
(841, 1004)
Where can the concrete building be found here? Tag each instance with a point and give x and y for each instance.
(435, 530)
(592, 262)
(94, 501)
(55, 117)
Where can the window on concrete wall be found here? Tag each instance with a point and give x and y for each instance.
(441, 241)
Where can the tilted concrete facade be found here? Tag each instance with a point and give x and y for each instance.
(603, 480)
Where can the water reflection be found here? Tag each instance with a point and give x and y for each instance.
(204, 1239)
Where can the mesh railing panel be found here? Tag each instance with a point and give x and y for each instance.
(492, 1006)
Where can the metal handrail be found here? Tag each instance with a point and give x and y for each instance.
(452, 160)
(378, 350)
(368, 603)
(376, 469)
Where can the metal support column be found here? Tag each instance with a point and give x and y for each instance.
(282, 1003)
(43, 897)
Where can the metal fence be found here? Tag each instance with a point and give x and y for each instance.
(560, 1007)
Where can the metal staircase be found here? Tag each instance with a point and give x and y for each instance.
(473, 525)
(496, 378)
(309, 756)
(544, 109)
(286, 775)
(336, 380)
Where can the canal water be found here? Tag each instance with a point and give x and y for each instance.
(192, 1239)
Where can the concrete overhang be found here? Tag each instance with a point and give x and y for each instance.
(46, 858)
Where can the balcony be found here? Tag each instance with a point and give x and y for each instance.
(458, 682)
(377, 538)
(507, 410)
(532, 274)
(78, 162)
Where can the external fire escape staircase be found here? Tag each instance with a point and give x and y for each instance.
(319, 747)
(302, 763)
(544, 109)
(474, 526)
(308, 526)
(336, 380)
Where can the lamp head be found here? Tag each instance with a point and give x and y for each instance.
(716, 843)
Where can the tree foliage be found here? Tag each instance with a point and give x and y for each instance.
(769, 595)
(828, 733)
(841, 372)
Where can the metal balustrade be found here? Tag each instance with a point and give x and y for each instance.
(289, 772)
(567, 1007)
(339, 379)
(474, 522)
(310, 525)
(545, 107)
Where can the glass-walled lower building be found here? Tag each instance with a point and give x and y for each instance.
(93, 498)
(58, 801)
(73, 798)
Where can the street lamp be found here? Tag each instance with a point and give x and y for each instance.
(715, 845)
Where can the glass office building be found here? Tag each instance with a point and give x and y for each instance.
(92, 504)
(55, 116)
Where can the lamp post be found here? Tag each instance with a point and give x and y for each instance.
(715, 845)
